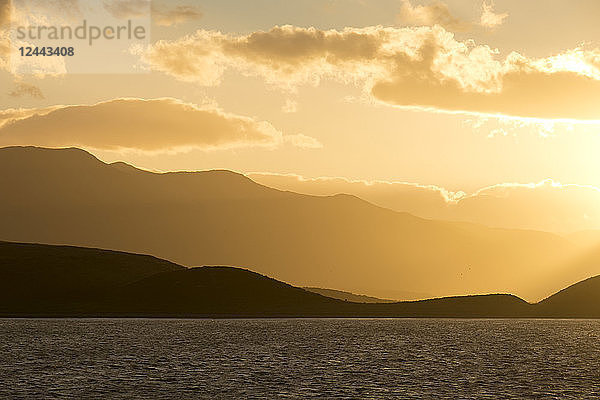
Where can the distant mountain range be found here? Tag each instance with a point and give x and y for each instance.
(545, 206)
(67, 196)
(52, 281)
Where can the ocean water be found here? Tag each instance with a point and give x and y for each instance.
(299, 358)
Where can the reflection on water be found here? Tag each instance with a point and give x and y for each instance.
(377, 358)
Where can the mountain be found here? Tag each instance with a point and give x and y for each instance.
(347, 296)
(581, 266)
(67, 196)
(581, 300)
(43, 280)
(544, 206)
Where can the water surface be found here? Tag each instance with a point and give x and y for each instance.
(300, 358)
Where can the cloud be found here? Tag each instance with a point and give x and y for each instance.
(197, 58)
(4, 51)
(515, 88)
(33, 13)
(125, 9)
(23, 89)
(4, 13)
(16, 114)
(4, 33)
(303, 141)
(423, 67)
(290, 106)
(158, 125)
(285, 56)
(489, 19)
(436, 13)
(514, 127)
(410, 196)
(162, 15)
(546, 205)
(176, 15)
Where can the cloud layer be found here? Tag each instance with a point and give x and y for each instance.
(159, 125)
(422, 67)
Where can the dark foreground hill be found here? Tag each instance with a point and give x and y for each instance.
(581, 300)
(44, 280)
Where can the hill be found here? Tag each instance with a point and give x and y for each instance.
(45, 278)
(581, 300)
(67, 196)
(42, 280)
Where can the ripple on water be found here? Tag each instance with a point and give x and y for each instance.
(300, 358)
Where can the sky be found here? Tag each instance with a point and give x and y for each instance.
(462, 95)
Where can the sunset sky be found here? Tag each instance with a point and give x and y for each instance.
(457, 94)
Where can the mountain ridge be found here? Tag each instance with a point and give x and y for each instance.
(223, 218)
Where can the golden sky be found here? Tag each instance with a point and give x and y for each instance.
(461, 95)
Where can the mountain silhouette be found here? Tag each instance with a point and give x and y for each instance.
(33, 275)
(67, 196)
(581, 300)
(46, 280)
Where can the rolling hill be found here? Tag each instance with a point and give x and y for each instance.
(51, 281)
(34, 276)
(45, 280)
(67, 196)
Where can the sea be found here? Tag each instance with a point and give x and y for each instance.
(299, 359)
